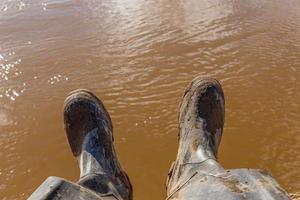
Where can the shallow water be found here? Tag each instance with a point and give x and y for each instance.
(138, 56)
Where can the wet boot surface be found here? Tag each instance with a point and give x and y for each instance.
(196, 174)
(90, 134)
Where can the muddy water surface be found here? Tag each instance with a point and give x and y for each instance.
(138, 56)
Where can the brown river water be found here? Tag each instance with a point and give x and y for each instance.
(138, 56)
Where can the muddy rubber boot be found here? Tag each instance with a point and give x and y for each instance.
(201, 120)
(196, 174)
(90, 134)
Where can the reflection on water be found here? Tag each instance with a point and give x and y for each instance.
(9, 70)
(138, 56)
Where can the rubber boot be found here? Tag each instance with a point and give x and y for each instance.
(201, 120)
(196, 174)
(90, 134)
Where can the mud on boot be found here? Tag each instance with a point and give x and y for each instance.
(90, 134)
(196, 174)
(201, 120)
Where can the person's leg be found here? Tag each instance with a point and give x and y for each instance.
(196, 174)
(201, 119)
(90, 134)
